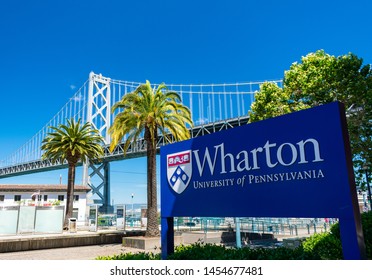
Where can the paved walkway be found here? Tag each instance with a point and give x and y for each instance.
(94, 251)
(67, 253)
(70, 253)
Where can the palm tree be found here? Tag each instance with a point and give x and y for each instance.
(150, 111)
(72, 142)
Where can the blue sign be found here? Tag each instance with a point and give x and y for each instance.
(296, 165)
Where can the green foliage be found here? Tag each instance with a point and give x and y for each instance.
(270, 102)
(313, 80)
(335, 230)
(319, 79)
(321, 246)
(367, 232)
(150, 111)
(131, 256)
(72, 142)
(56, 203)
(201, 251)
(328, 245)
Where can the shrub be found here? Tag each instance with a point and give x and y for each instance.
(131, 256)
(201, 251)
(321, 246)
(367, 232)
(328, 245)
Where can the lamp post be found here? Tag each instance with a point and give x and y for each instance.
(365, 168)
(132, 206)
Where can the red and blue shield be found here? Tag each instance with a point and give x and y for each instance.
(179, 170)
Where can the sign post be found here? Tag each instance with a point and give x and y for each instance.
(120, 217)
(93, 217)
(295, 165)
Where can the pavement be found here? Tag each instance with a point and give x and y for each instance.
(70, 253)
(91, 252)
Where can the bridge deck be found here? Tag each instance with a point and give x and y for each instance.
(137, 149)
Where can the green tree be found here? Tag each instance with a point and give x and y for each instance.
(271, 101)
(73, 142)
(321, 78)
(150, 111)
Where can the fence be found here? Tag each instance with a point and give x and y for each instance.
(136, 219)
(31, 219)
(40, 219)
(125, 217)
(284, 226)
(300, 226)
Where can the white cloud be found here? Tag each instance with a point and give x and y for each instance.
(201, 121)
(77, 98)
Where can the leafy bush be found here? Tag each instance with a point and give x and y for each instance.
(322, 246)
(201, 251)
(131, 256)
(367, 231)
(327, 246)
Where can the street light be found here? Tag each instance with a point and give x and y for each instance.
(365, 168)
(132, 206)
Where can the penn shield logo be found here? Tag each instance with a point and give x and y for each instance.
(179, 170)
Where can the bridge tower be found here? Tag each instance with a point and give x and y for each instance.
(99, 115)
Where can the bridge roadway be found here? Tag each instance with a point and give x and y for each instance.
(136, 149)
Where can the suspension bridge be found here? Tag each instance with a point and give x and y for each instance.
(214, 107)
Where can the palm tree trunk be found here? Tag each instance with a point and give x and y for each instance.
(70, 194)
(152, 207)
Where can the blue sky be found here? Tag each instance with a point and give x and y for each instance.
(48, 48)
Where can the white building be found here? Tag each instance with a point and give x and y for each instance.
(45, 195)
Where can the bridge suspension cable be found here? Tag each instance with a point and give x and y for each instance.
(213, 107)
(92, 102)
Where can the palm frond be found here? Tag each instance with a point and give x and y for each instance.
(72, 142)
(155, 109)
